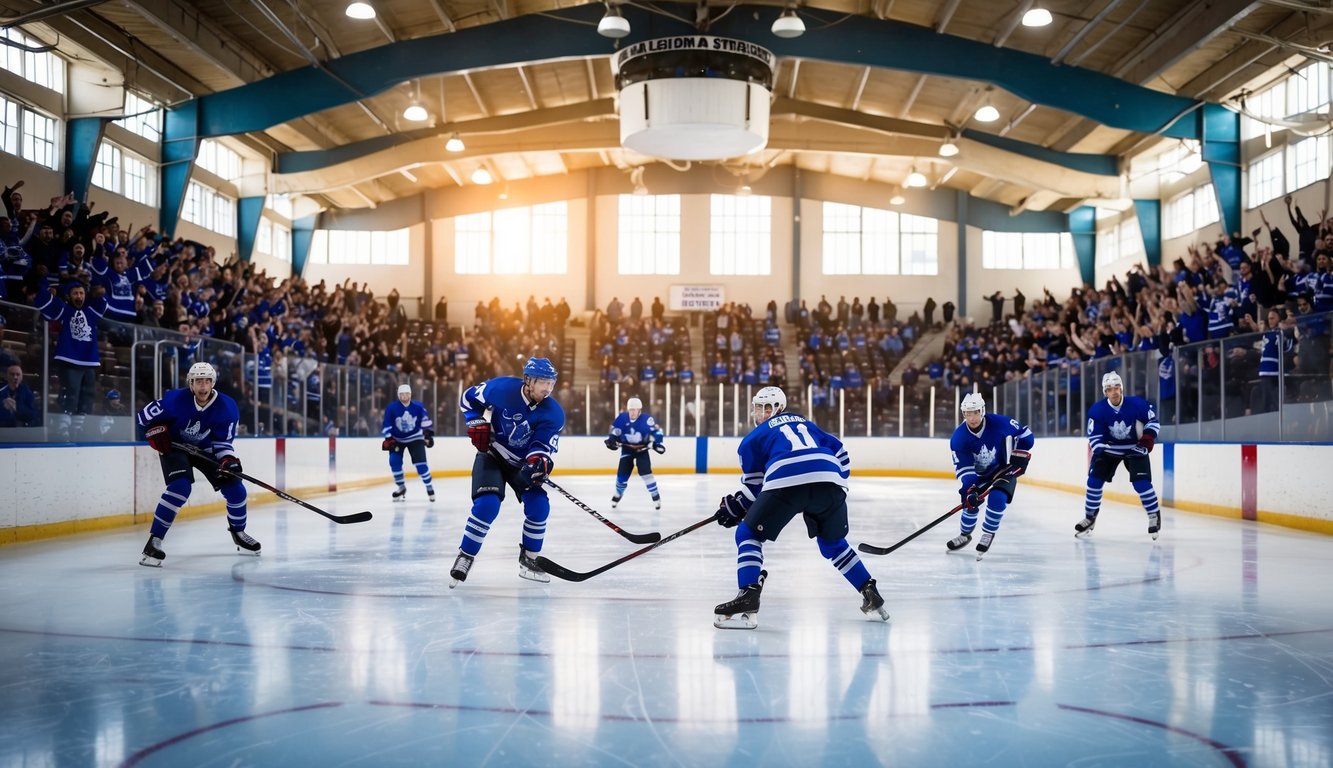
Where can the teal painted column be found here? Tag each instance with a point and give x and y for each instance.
(1083, 229)
(1221, 150)
(1150, 228)
(249, 211)
(83, 137)
(180, 145)
(303, 233)
(961, 215)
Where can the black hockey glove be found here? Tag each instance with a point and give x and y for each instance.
(430, 438)
(971, 498)
(479, 432)
(731, 510)
(229, 467)
(1018, 462)
(611, 443)
(534, 472)
(659, 448)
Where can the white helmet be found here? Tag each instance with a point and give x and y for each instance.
(767, 398)
(973, 402)
(1112, 379)
(201, 371)
(405, 389)
(634, 404)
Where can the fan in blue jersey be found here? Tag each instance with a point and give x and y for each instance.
(515, 426)
(986, 447)
(203, 417)
(1113, 437)
(408, 426)
(633, 433)
(77, 355)
(789, 467)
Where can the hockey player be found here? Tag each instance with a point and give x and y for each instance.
(789, 467)
(515, 426)
(407, 425)
(201, 416)
(630, 433)
(1113, 438)
(985, 447)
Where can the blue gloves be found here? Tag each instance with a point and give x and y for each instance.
(971, 498)
(535, 471)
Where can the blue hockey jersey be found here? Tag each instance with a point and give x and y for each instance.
(789, 450)
(212, 427)
(406, 423)
(1114, 429)
(634, 435)
(78, 328)
(980, 456)
(519, 428)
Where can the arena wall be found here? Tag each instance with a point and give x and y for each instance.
(59, 490)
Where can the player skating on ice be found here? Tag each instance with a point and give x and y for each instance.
(1113, 437)
(407, 426)
(789, 467)
(515, 426)
(986, 446)
(633, 433)
(203, 417)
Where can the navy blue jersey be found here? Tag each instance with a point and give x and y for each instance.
(212, 427)
(980, 456)
(1114, 429)
(519, 428)
(1276, 344)
(789, 450)
(405, 423)
(635, 435)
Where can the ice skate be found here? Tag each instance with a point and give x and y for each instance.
(873, 606)
(615, 500)
(983, 546)
(657, 502)
(400, 494)
(462, 564)
(743, 612)
(959, 541)
(430, 494)
(245, 543)
(152, 553)
(1154, 524)
(528, 568)
(1083, 528)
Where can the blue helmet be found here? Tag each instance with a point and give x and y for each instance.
(539, 368)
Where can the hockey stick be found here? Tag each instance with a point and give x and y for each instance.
(871, 549)
(560, 572)
(359, 517)
(637, 538)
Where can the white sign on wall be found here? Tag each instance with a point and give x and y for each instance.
(697, 297)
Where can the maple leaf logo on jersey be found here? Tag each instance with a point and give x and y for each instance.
(984, 458)
(520, 433)
(1120, 430)
(195, 432)
(406, 423)
(79, 328)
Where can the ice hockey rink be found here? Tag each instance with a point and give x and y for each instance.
(344, 646)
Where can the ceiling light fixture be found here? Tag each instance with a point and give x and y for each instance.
(360, 10)
(613, 25)
(454, 144)
(788, 25)
(897, 198)
(415, 113)
(948, 148)
(987, 113)
(482, 176)
(915, 179)
(1036, 16)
